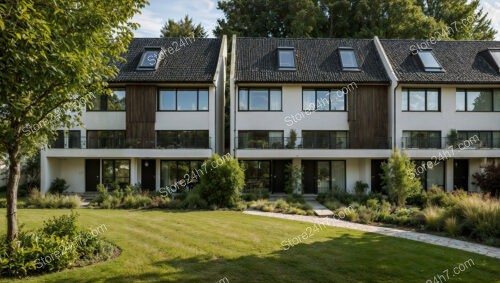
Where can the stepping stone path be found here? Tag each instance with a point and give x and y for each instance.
(420, 237)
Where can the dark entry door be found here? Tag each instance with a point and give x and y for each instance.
(279, 177)
(461, 174)
(92, 174)
(148, 174)
(376, 179)
(309, 178)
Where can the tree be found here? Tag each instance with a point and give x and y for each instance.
(488, 180)
(55, 55)
(275, 18)
(465, 19)
(399, 179)
(182, 28)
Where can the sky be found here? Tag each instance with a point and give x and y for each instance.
(205, 12)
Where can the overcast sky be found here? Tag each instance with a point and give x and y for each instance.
(205, 12)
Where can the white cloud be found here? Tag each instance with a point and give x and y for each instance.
(492, 7)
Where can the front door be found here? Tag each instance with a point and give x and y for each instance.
(148, 174)
(92, 174)
(278, 175)
(376, 171)
(461, 174)
(309, 178)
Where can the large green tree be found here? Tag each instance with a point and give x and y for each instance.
(55, 54)
(355, 18)
(182, 28)
(270, 18)
(465, 19)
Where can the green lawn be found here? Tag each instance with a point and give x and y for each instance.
(206, 246)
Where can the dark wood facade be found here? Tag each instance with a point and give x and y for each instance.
(368, 117)
(141, 115)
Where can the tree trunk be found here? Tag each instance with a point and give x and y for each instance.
(12, 187)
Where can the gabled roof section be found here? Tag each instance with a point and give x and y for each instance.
(464, 62)
(317, 61)
(184, 60)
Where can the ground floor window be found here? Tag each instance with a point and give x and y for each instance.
(116, 171)
(257, 174)
(173, 171)
(331, 175)
(430, 173)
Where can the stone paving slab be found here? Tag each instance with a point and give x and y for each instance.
(420, 237)
(319, 209)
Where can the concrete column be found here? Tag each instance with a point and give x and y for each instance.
(449, 175)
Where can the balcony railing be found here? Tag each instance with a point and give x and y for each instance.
(441, 143)
(144, 143)
(308, 143)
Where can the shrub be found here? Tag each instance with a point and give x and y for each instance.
(365, 214)
(333, 204)
(64, 225)
(58, 186)
(249, 197)
(481, 216)
(488, 180)
(159, 201)
(360, 187)
(222, 182)
(452, 226)
(241, 205)
(399, 178)
(433, 217)
(37, 199)
(295, 198)
(194, 200)
(419, 199)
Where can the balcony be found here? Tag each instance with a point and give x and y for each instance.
(445, 143)
(308, 143)
(126, 143)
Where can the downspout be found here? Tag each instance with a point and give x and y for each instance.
(394, 145)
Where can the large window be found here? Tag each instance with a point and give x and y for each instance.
(325, 139)
(478, 100)
(182, 139)
(433, 173)
(324, 100)
(150, 59)
(421, 139)
(421, 100)
(331, 175)
(115, 102)
(183, 100)
(116, 171)
(286, 58)
(105, 139)
(259, 99)
(173, 171)
(480, 139)
(257, 174)
(260, 139)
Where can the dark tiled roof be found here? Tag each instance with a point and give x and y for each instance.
(194, 62)
(463, 61)
(317, 61)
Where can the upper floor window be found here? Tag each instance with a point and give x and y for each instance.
(348, 59)
(421, 139)
(324, 100)
(183, 139)
(259, 99)
(260, 139)
(429, 62)
(183, 100)
(325, 139)
(495, 54)
(150, 59)
(286, 58)
(480, 139)
(421, 100)
(478, 100)
(105, 139)
(115, 102)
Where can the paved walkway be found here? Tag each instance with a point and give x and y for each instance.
(319, 209)
(420, 237)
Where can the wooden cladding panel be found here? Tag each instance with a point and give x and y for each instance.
(368, 117)
(141, 115)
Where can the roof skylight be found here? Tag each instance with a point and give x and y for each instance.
(150, 59)
(348, 59)
(429, 62)
(495, 54)
(286, 58)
